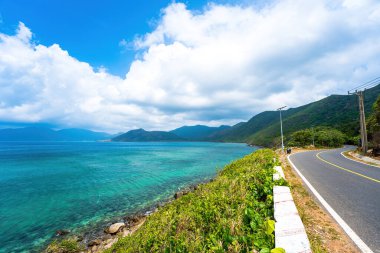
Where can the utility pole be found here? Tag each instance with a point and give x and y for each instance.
(312, 129)
(363, 127)
(282, 135)
(359, 91)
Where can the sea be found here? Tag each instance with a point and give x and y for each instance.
(79, 186)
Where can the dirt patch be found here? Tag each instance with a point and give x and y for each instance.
(324, 233)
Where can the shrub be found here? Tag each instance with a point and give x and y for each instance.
(301, 138)
(64, 246)
(374, 125)
(233, 213)
(323, 137)
(329, 138)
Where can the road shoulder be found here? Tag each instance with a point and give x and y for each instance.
(360, 159)
(324, 233)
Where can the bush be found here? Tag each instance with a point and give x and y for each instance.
(64, 246)
(374, 125)
(329, 138)
(301, 138)
(323, 137)
(233, 213)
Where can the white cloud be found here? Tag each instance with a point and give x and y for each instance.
(221, 65)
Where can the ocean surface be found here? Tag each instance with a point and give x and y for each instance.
(48, 186)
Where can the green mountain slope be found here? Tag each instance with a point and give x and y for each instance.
(338, 111)
(198, 132)
(142, 135)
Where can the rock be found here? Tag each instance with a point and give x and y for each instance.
(110, 243)
(126, 233)
(106, 237)
(62, 232)
(94, 242)
(178, 195)
(131, 220)
(114, 228)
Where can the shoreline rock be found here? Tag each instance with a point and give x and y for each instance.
(62, 232)
(114, 228)
(97, 240)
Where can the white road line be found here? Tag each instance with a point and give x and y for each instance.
(354, 237)
(342, 153)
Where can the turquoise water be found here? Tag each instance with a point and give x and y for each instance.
(47, 186)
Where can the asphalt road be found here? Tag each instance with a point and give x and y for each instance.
(351, 188)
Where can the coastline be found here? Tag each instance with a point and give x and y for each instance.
(96, 238)
(105, 183)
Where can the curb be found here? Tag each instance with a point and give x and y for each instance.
(290, 233)
(342, 153)
(354, 237)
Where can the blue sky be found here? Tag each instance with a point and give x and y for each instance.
(90, 30)
(120, 65)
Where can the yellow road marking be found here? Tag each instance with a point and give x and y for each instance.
(353, 172)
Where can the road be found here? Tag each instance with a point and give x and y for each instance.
(351, 188)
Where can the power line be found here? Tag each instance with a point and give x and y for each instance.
(365, 85)
(359, 91)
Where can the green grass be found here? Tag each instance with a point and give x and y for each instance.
(64, 246)
(233, 213)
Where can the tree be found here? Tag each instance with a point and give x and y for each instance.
(323, 137)
(301, 138)
(373, 127)
(329, 138)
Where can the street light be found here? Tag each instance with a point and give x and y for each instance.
(282, 135)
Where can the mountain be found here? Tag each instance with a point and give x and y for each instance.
(47, 134)
(77, 134)
(198, 132)
(337, 111)
(140, 135)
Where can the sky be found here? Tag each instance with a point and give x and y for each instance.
(119, 65)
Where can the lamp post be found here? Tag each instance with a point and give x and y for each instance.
(282, 135)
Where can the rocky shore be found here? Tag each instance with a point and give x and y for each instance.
(113, 233)
(102, 239)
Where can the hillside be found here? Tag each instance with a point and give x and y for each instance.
(200, 221)
(198, 132)
(142, 135)
(338, 111)
(47, 134)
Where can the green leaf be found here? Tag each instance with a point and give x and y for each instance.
(265, 250)
(269, 226)
(278, 250)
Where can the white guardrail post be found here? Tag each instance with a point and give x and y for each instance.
(290, 233)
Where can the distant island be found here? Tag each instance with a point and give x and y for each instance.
(142, 135)
(336, 111)
(185, 133)
(46, 134)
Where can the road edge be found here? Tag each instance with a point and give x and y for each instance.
(354, 237)
(342, 153)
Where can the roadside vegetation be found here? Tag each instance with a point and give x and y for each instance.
(319, 136)
(69, 245)
(233, 213)
(374, 127)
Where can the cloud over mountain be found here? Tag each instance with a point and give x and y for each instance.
(219, 65)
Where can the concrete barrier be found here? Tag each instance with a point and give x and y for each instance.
(278, 174)
(290, 232)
